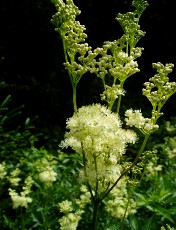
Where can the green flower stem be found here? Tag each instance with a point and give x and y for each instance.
(64, 47)
(95, 213)
(74, 97)
(128, 169)
(122, 222)
(119, 98)
(70, 76)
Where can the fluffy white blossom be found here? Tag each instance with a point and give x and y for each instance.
(22, 200)
(96, 133)
(48, 176)
(13, 178)
(70, 221)
(18, 200)
(65, 206)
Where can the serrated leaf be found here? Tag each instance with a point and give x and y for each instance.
(165, 196)
(142, 197)
(163, 212)
(113, 227)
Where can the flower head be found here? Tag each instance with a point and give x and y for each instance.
(96, 133)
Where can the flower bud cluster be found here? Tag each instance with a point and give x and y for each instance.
(129, 23)
(159, 89)
(115, 61)
(78, 54)
(66, 13)
(111, 94)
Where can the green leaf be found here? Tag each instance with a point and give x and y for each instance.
(113, 227)
(172, 210)
(149, 224)
(171, 199)
(163, 212)
(164, 195)
(134, 223)
(6, 101)
(142, 197)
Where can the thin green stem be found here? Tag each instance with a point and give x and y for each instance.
(119, 98)
(95, 213)
(70, 76)
(122, 222)
(74, 97)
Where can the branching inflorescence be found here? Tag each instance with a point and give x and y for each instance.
(95, 131)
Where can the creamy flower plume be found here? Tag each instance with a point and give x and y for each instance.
(96, 133)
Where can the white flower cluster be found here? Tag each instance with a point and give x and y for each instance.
(3, 171)
(70, 221)
(47, 175)
(84, 198)
(71, 218)
(13, 178)
(96, 133)
(22, 200)
(65, 206)
(118, 201)
(135, 118)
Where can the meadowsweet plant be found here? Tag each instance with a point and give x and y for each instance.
(96, 132)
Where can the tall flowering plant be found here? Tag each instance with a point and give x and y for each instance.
(96, 132)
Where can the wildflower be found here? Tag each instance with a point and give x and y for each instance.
(96, 133)
(85, 197)
(48, 176)
(65, 206)
(14, 179)
(22, 200)
(135, 118)
(19, 201)
(70, 221)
